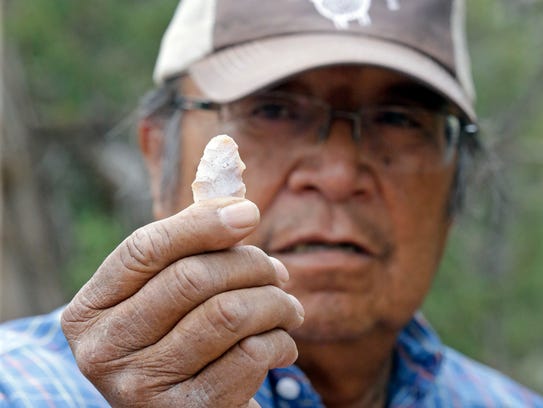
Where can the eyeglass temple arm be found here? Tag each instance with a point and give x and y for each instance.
(181, 102)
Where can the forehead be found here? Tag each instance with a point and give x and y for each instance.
(359, 84)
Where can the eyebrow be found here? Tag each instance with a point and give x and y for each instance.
(408, 93)
(413, 93)
(290, 86)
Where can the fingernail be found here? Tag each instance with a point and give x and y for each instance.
(240, 215)
(298, 305)
(280, 269)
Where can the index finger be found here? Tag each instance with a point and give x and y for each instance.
(202, 227)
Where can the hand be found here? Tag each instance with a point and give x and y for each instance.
(178, 316)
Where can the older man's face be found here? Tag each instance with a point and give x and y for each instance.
(361, 241)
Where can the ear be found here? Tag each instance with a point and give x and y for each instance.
(151, 141)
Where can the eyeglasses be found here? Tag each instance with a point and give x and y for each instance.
(403, 138)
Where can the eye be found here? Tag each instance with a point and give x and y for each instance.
(396, 117)
(271, 111)
(274, 109)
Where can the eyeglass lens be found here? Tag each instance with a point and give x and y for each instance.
(406, 138)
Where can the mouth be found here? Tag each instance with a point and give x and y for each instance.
(316, 246)
(314, 255)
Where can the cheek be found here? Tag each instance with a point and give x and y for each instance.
(264, 177)
(421, 228)
(419, 210)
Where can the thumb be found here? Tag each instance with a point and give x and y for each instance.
(207, 226)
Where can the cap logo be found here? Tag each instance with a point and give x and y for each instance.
(342, 12)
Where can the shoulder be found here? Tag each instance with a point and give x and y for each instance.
(429, 374)
(465, 382)
(37, 367)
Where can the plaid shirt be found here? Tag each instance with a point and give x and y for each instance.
(37, 370)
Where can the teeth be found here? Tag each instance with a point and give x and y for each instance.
(300, 248)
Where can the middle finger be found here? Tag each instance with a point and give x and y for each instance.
(148, 315)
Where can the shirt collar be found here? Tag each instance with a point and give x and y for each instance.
(416, 362)
(417, 359)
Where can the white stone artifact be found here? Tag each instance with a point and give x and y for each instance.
(219, 172)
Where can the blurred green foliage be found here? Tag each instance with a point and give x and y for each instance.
(487, 298)
(87, 59)
(90, 61)
(86, 64)
(97, 233)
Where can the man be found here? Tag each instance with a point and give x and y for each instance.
(355, 120)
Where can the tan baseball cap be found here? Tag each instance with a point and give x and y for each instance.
(232, 48)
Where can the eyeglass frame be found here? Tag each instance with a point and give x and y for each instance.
(466, 128)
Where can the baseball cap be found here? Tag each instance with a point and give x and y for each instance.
(232, 48)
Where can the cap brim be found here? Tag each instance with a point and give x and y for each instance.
(238, 71)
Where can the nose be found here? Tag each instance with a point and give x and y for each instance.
(334, 167)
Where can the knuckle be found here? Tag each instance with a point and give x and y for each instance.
(86, 361)
(130, 390)
(70, 322)
(255, 352)
(100, 351)
(272, 349)
(124, 383)
(227, 311)
(145, 246)
(92, 358)
(79, 316)
(191, 278)
(84, 347)
(288, 314)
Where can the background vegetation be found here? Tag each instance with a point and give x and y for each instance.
(73, 184)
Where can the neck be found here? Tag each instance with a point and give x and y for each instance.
(349, 374)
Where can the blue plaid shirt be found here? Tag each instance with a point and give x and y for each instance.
(37, 370)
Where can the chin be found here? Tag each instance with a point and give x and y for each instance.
(332, 317)
(327, 334)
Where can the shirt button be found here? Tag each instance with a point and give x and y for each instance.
(288, 388)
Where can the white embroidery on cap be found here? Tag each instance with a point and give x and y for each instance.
(342, 12)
